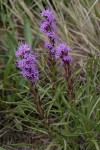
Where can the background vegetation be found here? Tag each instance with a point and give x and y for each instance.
(78, 24)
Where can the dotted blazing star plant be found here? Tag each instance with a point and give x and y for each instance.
(27, 62)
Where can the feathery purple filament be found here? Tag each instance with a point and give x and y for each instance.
(27, 62)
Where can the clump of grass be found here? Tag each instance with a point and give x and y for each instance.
(76, 125)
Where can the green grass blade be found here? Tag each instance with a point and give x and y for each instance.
(27, 32)
(2, 148)
(8, 68)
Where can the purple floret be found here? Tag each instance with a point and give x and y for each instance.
(44, 27)
(30, 57)
(51, 35)
(47, 26)
(67, 58)
(22, 49)
(48, 45)
(27, 62)
(21, 63)
(48, 14)
(62, 52)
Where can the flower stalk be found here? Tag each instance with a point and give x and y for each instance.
(69, 80)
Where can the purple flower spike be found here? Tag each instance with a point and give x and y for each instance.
(48, 27)
(27, 63)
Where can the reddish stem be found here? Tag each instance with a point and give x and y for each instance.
(39, 105)
(69, 80)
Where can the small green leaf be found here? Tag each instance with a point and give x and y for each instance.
(4, 18)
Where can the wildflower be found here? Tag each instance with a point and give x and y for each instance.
(27, 62)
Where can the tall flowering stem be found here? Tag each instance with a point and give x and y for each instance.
(26, 62)
(48, 27)
(62, 52)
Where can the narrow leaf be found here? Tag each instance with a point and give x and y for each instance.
(27, 32)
